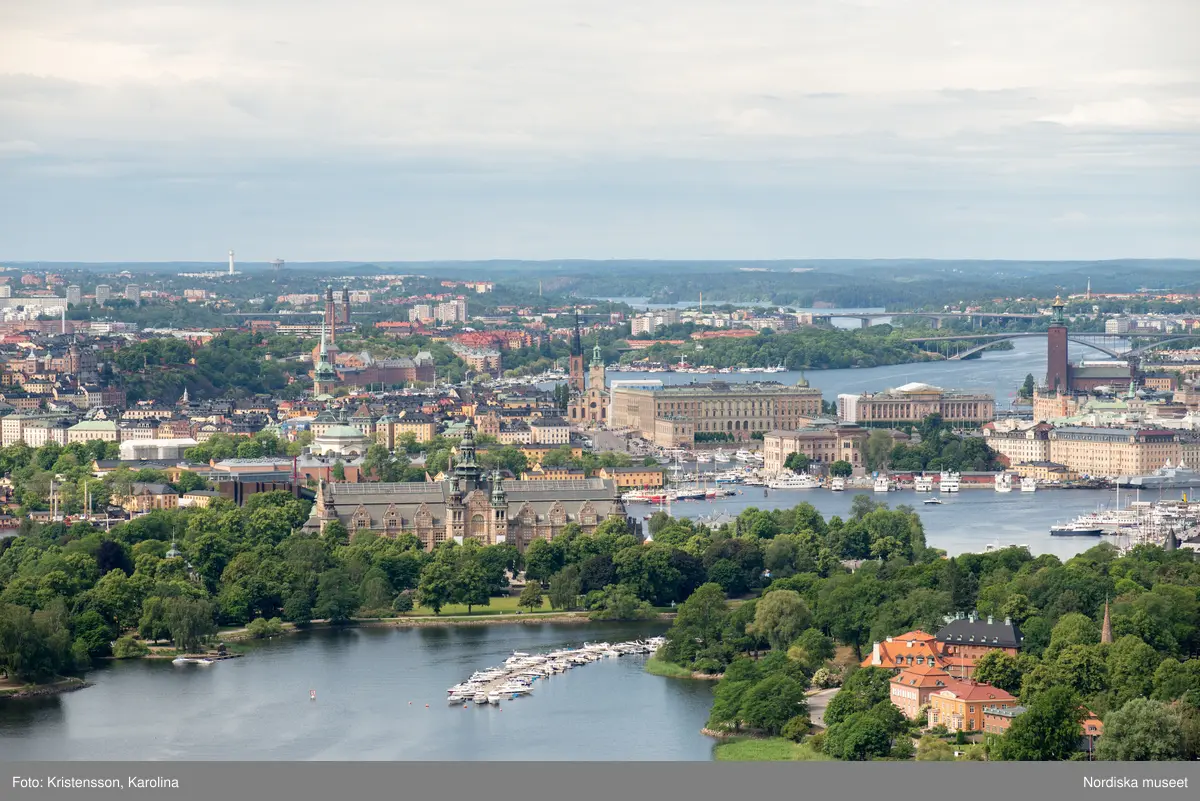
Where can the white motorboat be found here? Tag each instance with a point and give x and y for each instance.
(793, 481)
(481, 697)
(837, 484)
(493, 698)
(703, 458)
(934, 501)
(743, 455)
(720, 456)
(1028, 484)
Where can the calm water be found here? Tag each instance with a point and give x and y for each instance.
(997, 372)
(257, 707)
(965, 523)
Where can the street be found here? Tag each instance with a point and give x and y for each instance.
(816, 706)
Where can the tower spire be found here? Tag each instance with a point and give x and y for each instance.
(1106, 627)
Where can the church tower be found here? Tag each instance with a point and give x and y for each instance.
(576, 360)
(499, 507)
(1106, 628)
(324, 376)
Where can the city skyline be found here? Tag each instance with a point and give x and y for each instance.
(463, 131)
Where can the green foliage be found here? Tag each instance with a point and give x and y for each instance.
(261, 628)
(619, 602)
(780, 617)
(861, 691)
(841, 469)
(129, 647)
(999, 670)
(531, 596)
(934, 749)
(1142, 730)
(1048, 730)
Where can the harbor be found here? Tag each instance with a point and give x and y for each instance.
(516, 677)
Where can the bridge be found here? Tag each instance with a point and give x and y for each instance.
(938, 318)
(1084, 338)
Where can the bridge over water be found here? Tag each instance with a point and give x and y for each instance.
(1109, 344)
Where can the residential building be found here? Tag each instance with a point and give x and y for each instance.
(391, 428)
(89, 430)
(549, 431)
(735, 409)
(420, 313)
(74, 295)
(133, 293)
(1019, 441)
(1045, 471)
(103, 293)
(912, 687)
(970, 637)
(959, 706)
(997, 719)
(451, 312)
(149, 497)
(633, 477)
(516, 432)
(824, 442)
(912, 403)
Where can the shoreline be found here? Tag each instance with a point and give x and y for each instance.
(44, 690)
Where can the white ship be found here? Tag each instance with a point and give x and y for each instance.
(1028, 484)
(923, 483)
(793, 481)
(1003, 482)
(882, 484)
(837, 484)
(948, 482)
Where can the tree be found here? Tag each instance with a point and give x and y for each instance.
(934, 749)
(339, 471)
(1141, 731)
(860, 692)
(542, 560)
(861, 736)
(1027, 388)
(780, 616)
(376, 590)
(1072, 629)
(565, 588)
(812, 648)
(999, 670)
(841, 469)
(698, 624)
(797, 462)
(337, 597)
(619, 602)
(1048, 730)
(772, 702)
(531, 596)
(1131, 668)
(878, 449)
(190, 621)
(436, 586)
(471, 583)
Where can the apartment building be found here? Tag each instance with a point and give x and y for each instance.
(1113, 451)
(1019, 441)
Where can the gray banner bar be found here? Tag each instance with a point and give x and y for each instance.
(535, 781)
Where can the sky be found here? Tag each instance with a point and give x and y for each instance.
(133, 130)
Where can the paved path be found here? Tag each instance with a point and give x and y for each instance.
(816, 706)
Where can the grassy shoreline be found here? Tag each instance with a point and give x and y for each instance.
(661, 667)
(765, 749)
(62, 685)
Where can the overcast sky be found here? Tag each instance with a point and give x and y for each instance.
(541, 129)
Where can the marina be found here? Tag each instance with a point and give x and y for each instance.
(517, 675)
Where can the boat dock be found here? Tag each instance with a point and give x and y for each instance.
(516, 677)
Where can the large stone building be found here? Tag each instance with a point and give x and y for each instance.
(468, 505)
(717, 407)
(1019, 441)
(822, 442)
(590, 406)
(912, 403)
(1064, 377)
(1113, 451)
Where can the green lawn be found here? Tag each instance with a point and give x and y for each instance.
(498, 606)
(772, 749)
(660, 667)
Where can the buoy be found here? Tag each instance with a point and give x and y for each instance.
(464, 706)
(427, 706)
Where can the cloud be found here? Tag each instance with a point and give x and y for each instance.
(807, 97)
(1072, 217)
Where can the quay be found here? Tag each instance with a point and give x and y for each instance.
(517, 675)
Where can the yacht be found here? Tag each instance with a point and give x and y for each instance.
(949, 482)
(1003, 482)
(743, 455)
(882, 484)
(923, 483)
(837, 484)
(932, 501)
(703, 458)
(793, 481)
(1028, 484)
(721, 456)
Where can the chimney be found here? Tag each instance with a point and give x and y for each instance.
(889, 639)
(989, 620)
(875, 653)
(910, 643)
(1008, 621)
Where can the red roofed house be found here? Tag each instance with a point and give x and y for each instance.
(959, 706)
(914, 648)
(911, 688)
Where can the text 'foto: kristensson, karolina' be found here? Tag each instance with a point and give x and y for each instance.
(76, 783)
(1108, 782)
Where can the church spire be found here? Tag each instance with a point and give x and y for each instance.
(597, 359)
(1106, 628)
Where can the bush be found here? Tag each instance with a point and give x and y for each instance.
(903, 748)
(817, 742)
(960, 738)
(796, 728)
(129, 648)
(403, 603)
(826, 678)
(260, 628)
(708, 666)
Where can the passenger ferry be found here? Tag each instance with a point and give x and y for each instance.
(882, 484)
(1003, 482)
(837, 484)
(1028, 484)
(948, 482)
(923, 483)
(793, 481)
